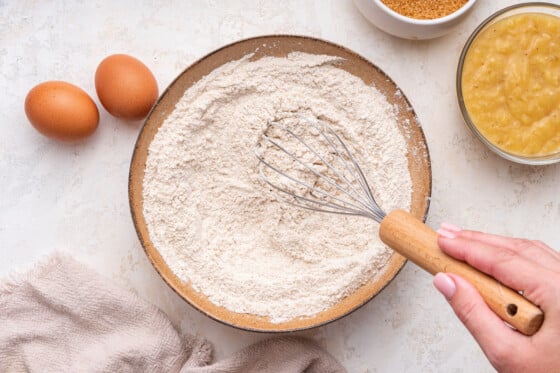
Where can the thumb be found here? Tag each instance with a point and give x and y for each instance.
(494, 337)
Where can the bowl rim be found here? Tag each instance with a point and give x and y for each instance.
(135, 190)
(500, 14)
(425, 22)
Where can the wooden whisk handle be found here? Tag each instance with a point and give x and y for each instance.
(416, 241)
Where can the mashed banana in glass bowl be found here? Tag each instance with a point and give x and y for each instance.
(508, 83)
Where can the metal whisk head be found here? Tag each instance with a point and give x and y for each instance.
(312, 168)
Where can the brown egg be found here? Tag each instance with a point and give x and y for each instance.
(125, 86)
(61, 111)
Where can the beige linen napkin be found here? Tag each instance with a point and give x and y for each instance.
(63, 317)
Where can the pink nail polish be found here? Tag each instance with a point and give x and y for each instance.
(446, 233)
(445, 285)
(450, 227)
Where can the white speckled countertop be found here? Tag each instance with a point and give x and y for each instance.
(74, 197)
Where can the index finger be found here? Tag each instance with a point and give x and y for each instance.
(535, 251)
(503, 264)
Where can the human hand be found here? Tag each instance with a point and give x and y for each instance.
(529, 266)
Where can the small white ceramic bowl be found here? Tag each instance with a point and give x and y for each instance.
(396, 24)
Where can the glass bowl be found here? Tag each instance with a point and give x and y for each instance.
(536, 7)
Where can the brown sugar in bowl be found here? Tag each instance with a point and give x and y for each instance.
(424, 9)
(416, 21)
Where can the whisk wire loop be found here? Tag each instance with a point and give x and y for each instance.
(356, 196)
(354, 200)
(361, 178)
(332, 207)
(340, 207)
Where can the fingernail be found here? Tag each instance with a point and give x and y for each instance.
(445, 285)
(450, 227)
(446, 233)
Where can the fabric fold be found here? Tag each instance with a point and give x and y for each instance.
(61, 316)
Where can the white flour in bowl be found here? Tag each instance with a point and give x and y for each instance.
(219, 228)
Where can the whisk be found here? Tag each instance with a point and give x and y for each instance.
(311, 167)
